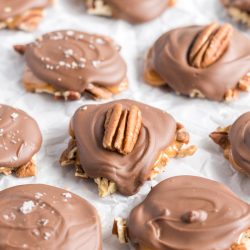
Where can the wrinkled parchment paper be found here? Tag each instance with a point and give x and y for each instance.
(199, 116)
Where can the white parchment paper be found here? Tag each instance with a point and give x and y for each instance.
(199, 116)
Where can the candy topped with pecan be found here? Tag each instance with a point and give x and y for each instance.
(234, 140)
(69, 63)
(120, 146)
(22, 14)
(20, 140)
(239, 10)
(201, 61)
(134, 11)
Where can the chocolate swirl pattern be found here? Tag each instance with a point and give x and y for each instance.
(20, 137)
(239, 135)
(71, 60)
(12, 8)
(216, 217)
(137, 11)
(45, 217)
(130, 171)
(168, 57)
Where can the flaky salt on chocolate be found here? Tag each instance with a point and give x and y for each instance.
(134, 11)
(239, 10)
(201, 61)
(187, 212)
(22, 14)
(20, 140)
(234, 140)
(38, 217)
(69, 63)
(120, 145)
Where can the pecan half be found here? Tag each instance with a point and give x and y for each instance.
(122, 128)
(210, 45)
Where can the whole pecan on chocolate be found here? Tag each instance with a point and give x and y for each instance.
(209, 45)
(122, 128)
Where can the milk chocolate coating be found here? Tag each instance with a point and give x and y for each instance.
(243, 5)
(239, 137)
(44, 217)
(169, 59)
(70, 60)
(129, 172)
(157, 222)
(11, 8)
(137, 11)
(20, 137)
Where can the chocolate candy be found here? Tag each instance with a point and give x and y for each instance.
(20, 140)
(120, 145)
(188, 212)
(201, 61)
(44, 217)
(22, 14)
(68, 63)
(134, 11)
(235, 142)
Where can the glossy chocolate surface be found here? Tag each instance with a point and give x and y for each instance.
(20, 137)
(188, 212)
(71, 60)
(44, 217)
(239, 137)
(130, 171)
(169, 60)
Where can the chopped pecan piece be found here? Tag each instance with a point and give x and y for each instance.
(210, 45)
(120, 230)
(122, 128)
(220, 137)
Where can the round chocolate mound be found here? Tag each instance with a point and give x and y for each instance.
(12, 8)
(73, 60)
(128, 171)
(188, 212)
(202, 61)
(138, 11)
(20, 137)
(239, 138)
(44, 217)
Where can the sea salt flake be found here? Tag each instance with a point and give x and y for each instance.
(27, 207)
(38, 195)
(67, 195)
(43, 222)
(36, 232)
(46, 235)
(99, 41)
(68, 53)
(14, 115)
(96, 63)
(61, 63)
(10, 217)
